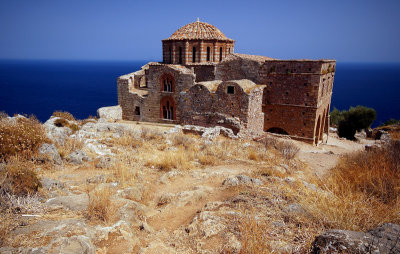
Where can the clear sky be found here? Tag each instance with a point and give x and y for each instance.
(346, 30)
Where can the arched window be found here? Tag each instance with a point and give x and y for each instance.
(167, 105)
(194, 55)
(208, 54)
(167, 83)
(220, 54)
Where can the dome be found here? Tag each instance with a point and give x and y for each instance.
(198, 31)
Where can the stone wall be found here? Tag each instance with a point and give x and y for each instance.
(297, 92)
(233, 104)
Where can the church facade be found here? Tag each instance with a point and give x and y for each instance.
(201, 81)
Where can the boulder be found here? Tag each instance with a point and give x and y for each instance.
(105, 162)
(51, 184)
(56, 134)
(78, 157)
(113, 112)
(383, 239)
(51, 151)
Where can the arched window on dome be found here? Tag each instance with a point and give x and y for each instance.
(220, 54)
(194, 55)
(208, 54)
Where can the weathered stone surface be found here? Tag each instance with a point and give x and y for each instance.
(51, 151)
(383, 239)
(78, 157)
(51, 184)
(113, 112)
(72, 202)
(241, 179)
(75, 244)
(56, 134)
(105, 162)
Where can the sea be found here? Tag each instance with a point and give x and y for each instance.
(40, 87)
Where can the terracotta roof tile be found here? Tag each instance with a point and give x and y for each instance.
(198, 31)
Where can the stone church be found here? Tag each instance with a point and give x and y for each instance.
(201, 81)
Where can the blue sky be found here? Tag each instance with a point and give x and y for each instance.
(349, 31)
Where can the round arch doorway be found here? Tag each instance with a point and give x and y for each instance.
(167, 108)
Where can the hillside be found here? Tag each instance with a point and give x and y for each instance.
(126, 187)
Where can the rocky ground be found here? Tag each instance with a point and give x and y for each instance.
(105, 190)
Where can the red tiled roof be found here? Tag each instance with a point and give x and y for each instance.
(198, 31)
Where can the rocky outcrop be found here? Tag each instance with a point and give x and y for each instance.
(113, 112)
(51, 152)
(383, 239)
(55, 133)
(78, 157)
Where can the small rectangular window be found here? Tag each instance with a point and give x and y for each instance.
(208, 54)
(231, 90)
(194, 54)
(137, 111)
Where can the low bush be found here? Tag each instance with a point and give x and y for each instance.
(19, 178)
(22, 137)
(355, 119)
(100, 207)
(64, 114)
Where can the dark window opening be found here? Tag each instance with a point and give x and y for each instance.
(308, 94)
(231, 90)
(305, 84)
(170, 55)
(167, 84)
(137, 111)
(194, 55)
(287, 93)
(208, 53)
(229, 50)
(277, 131)
(220, 54)
(180, 55)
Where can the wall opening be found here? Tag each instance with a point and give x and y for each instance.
(194, 54)
(167, 108)
(170, 55)
(220, 54)
(137, 111)
(167, 83)
(208, 54)
(180, 55)
(277, 130)
(230, 90)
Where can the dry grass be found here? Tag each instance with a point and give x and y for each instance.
(253, 155)
(64, 115)
(169, 160)
(254, 236)
(70, 145)
(22, 138)
(361, 192)
(100, 207)
(19, 178)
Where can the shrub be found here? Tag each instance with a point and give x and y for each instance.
(335, 117)
(100, 207)
(61, 122)
(22, 138)
(356, 119)
(287, 149)
(19, 178)
(64, 114)
(392, 121)
(3, 115)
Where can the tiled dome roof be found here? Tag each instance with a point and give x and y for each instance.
(198, 31)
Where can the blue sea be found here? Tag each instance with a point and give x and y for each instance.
(81, 87)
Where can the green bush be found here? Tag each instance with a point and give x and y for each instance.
(336, 116)
(355, 119)
(392, 121)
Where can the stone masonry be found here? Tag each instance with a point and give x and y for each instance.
(203, 82)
